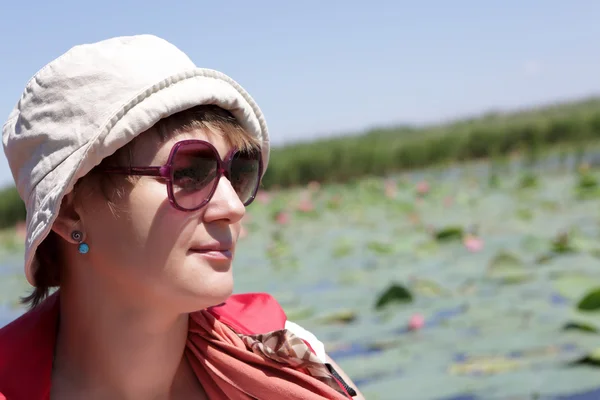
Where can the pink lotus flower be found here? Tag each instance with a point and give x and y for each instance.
(390, 189)
(313, 186)
(306, 205)
(473, 243)
(283, 218)
(416, 322)
(414, 218)
(263, 196)
(422, 188)
(448, 201)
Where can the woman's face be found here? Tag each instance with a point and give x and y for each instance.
(154, 253)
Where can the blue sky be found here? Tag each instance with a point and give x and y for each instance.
(327, 67)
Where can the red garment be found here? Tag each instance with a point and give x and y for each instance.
(216, 353)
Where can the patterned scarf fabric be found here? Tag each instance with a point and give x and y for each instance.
(274, 365)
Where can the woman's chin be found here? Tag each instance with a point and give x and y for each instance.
(201, 285)
(208, 296)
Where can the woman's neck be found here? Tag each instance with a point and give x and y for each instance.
(106, 349)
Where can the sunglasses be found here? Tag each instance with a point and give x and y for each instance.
(194, 169)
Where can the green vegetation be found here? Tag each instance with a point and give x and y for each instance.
(388, 150)
(384, 151)
(12, 208)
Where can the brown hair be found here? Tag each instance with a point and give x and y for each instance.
(209, 118)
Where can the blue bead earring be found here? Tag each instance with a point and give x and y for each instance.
(78, 237)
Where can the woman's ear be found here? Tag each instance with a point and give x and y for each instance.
(68, 219)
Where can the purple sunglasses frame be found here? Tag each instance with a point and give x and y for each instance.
(166, 172)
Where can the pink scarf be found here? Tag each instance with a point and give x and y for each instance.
(275, 365)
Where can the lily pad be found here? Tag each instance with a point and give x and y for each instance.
(534, 244)
(591, 301)
(385, 343)
(574, 285)
(580, 326)
(591, 359)
(508, 268)
(404, 207)
(380, 248)
(299, 313)
(563, 244)
(525, 214)
(343, 317)
(449, 233)
(504, 260)
(515, 277)
(342, 248)
(427, 288)
(486, 366)
(580, 242)
(426, 248)
(353, 277)
(549, 205)
(396, 293)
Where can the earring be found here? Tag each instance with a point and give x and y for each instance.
(78, 237)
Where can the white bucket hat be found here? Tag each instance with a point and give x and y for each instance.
(94, 99)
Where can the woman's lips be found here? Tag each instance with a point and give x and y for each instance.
(215, 254)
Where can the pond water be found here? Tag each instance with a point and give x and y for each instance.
(494, 315)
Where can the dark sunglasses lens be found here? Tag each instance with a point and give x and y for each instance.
(245, 175)
(194, 176)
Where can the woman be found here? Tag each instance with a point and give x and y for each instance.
(135, 167)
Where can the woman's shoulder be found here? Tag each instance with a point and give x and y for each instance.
(34, 329)
(26, 348)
